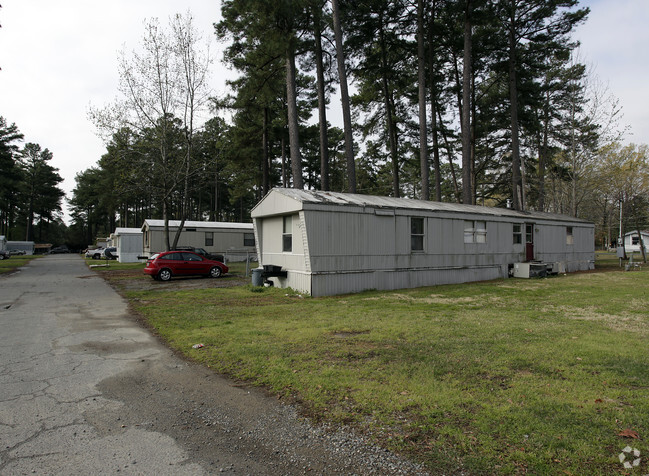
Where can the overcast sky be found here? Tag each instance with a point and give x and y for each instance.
(57, 58)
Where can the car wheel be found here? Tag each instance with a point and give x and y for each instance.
(96, 256)
(164, 275)
(2, 256)
(215, 272)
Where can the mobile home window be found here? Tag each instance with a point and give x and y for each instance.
(416, 234)
(635, 240)
(209, 238)
(248, 239)
(570, 239)
(518, 234)
(287, 234)
(475, 231)
(190, 229)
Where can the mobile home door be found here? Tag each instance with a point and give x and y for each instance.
(529, 241)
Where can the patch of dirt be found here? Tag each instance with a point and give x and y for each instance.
(136, 280)
(438, 299)
(618, 322)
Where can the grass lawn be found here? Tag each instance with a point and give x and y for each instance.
(541, 376)
(15, 262)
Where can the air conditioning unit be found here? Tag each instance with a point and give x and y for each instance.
(530, 270)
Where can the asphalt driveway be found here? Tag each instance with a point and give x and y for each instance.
(85, 390)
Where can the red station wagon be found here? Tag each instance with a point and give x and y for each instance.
(163, 266)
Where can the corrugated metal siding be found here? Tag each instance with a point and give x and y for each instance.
(298, 280)
(365, 244)
(224, 238)
(271, 247)
(331, 284)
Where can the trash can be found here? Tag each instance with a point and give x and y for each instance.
(257, 279)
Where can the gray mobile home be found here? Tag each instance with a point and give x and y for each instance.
(230, 239)
(326, 243)
(128, 242)
(26, 246)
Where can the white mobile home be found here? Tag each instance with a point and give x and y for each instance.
(215, 237)
(632, 241)
(325, 243)
(128, 242)
(26, 246)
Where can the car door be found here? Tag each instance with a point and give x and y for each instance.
(176, 262)
(194, 263)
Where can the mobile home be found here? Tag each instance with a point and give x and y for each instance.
(232, 240)
(632, 241)
(326, 243)
(128, 242)
(26, 246)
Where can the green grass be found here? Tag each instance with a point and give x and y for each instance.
(15, 262)
(500, 377)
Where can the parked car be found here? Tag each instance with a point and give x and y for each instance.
(94, 253)
(202, 252)
(59, 249)
(109, 253)
(163, 266)
(17, 252)
(4, 254)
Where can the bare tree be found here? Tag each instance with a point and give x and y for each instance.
(193, 65)
(163, 88)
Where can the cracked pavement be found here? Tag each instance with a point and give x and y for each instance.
(84, 389)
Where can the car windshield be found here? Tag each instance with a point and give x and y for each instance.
(154, 256)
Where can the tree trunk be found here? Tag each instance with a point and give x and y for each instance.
(389, 115)
(165, 217)
(265, 179)
(543, 153)
(436, 162)
(450, 161)
(284, 171)
(322, 105)
(344, 100)
(641, 241)
(293, 127)
(467, 193)
(433, 110)
(423, 136)
(517, 191)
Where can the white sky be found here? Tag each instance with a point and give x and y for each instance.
(57, 58)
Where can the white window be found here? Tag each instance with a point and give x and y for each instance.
(475, 231)
(287, 234)
(416, 234)
(570, 239)
(518, 234)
